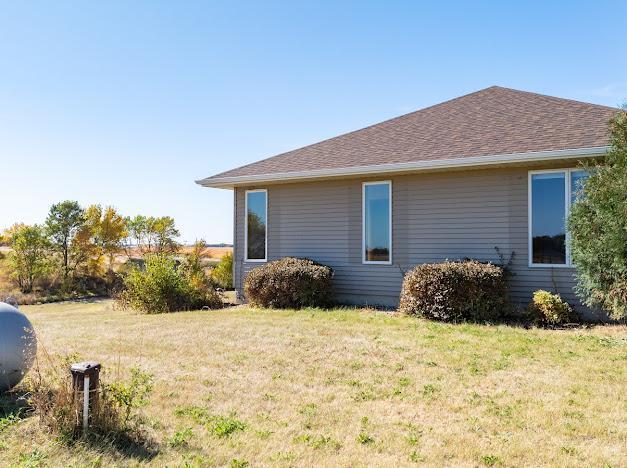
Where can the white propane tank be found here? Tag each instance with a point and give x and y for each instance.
(18, 346)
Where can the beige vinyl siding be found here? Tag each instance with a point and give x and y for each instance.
(436, 216)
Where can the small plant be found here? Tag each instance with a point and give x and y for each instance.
(131, 395)
(196, 413)
(404, 381)
(309, 410)
(181, 438)
(237, 463)
(290, 283)
(224, 426)
(453, 291)
(220, 426)
(430, 390)
(32, 459)
(416, 457)
(550, 309)
(364, 439)
(490, 460)
(8, 421)
(319, 441)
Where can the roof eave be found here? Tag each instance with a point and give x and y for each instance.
(451, 163)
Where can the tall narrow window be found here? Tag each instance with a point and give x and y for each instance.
(552, 193)
(377, 222)
(548, 212)
(256, 225)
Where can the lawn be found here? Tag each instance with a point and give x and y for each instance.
(246, 387)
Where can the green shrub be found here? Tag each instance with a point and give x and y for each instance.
(598, 227)
(222, 274)
(162, 286)
(453, 291)
(549, 308)
(290, 283)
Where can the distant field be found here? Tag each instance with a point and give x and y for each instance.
(213, 252)
(343, 388)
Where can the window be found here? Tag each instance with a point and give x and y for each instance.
(377, 222)
(256, 225)
(551, 194)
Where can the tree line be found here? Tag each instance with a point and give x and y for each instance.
(77, 242)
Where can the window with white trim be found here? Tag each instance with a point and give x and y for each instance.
(551, 194)
(256, 225)
(377, 222)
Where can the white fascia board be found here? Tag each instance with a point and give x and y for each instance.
(460, 162)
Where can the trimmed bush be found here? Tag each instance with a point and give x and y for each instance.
(164, 286)
(550, 308)
(454, 291)
(290, 283)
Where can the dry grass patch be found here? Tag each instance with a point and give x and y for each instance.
(345, 388)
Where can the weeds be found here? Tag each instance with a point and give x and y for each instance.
(491, 460)
(59, 408)
(8, 421)
(181, 438)
(220, 426)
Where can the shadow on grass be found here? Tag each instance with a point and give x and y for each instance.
(138, 448)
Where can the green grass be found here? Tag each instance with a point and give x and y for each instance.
(242, 387)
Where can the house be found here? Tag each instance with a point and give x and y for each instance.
(495, 169)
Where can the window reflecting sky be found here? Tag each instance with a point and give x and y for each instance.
(549, 204)
(548, 218)
(377, 229)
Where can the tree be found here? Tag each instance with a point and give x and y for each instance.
(194, 259)
(28, 258)
(85, 254)
(7, 235)
(63, 222)
(110, 232)
(598, 227)
(162, 233)
(137, 232)
(150, 234)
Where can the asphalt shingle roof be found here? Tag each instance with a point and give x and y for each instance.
(493, 121)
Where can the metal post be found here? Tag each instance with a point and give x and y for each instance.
(85, 378)
(86, 405)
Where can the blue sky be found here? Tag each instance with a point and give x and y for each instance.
(127, 103)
